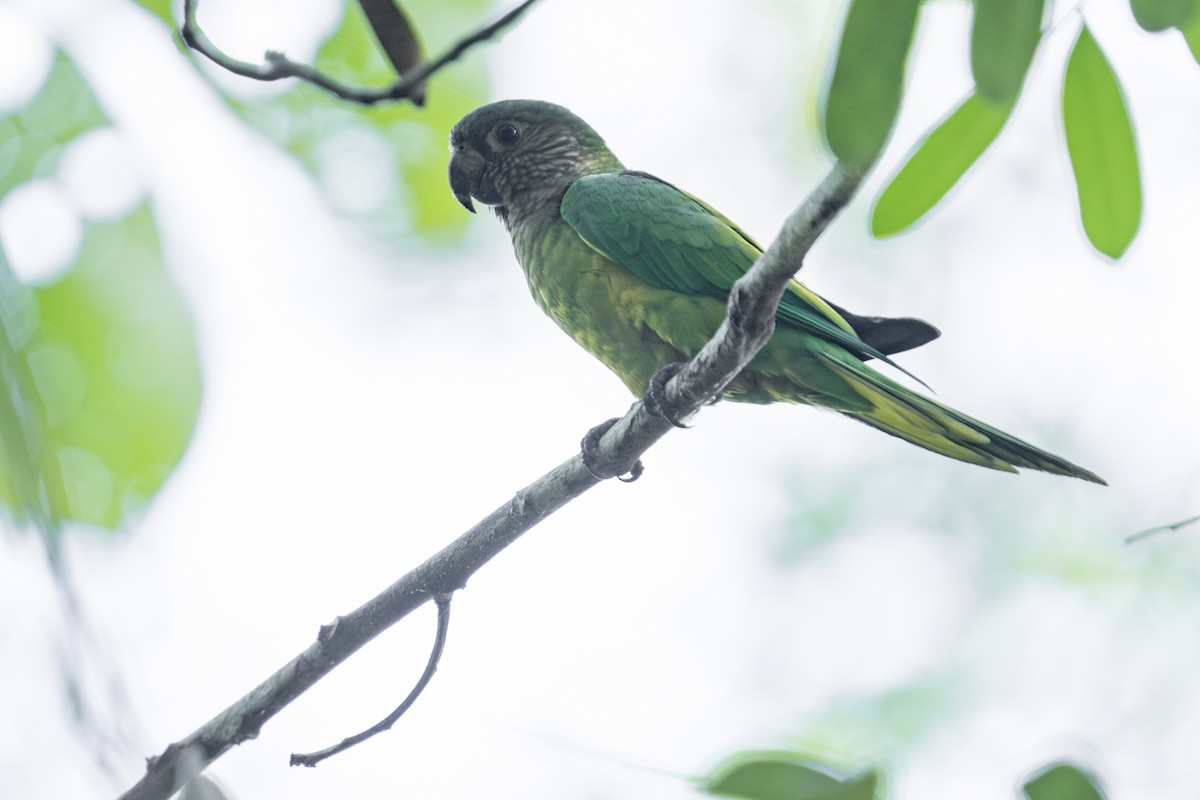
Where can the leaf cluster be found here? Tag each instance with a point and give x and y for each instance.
(863, 98)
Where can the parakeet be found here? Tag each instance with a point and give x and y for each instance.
(638, 272)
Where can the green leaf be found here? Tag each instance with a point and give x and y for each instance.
(161, 9)
(863, 98)
(785, 776)
(1191, 33)
(1158, 15)
(1004, 36)
(1103, 153)
(939, 161)
(1062, 781)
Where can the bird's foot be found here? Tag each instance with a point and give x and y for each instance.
(587, 450)
(655, 399)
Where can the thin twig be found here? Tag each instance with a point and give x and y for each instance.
(439, 644)
(752, 303)
(1174, 526)
(276, 66)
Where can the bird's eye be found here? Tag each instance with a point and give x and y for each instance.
(507, 134)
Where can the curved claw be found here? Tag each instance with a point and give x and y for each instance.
(635, 472)
(587, 450)
(655, 399)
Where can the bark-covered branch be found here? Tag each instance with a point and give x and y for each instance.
(395, 36)
(748, 326)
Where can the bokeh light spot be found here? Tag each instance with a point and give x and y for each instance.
(40, 230)
(88, 480)
(99, 173)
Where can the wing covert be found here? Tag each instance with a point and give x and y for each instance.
(675, 241)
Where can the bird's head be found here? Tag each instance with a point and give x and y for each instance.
(517, 155)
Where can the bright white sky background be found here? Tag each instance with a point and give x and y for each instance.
(359, 413)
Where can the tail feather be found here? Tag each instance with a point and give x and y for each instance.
(926, 423)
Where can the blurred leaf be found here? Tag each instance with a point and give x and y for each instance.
(1158, 15)
(396, 37)
(1062, 782)
(1191, 33)
(938, 163)
(785, 776)
(32, 140)
(161, 9)
(863, 98)
(1004, 36)
(115, 361)
(895, 720)
(90, 427)
(25, 465)
(313, 125)
(1103, 152)
(420, 134)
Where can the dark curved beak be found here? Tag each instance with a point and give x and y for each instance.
(465, 168)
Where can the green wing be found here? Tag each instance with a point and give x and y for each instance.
(675, 241)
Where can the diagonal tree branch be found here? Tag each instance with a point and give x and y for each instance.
(276, 66)
(748, 326)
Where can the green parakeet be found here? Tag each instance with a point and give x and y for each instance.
(638, 272)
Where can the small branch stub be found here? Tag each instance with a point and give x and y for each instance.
(435, 656)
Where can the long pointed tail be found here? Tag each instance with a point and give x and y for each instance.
(926, 423)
